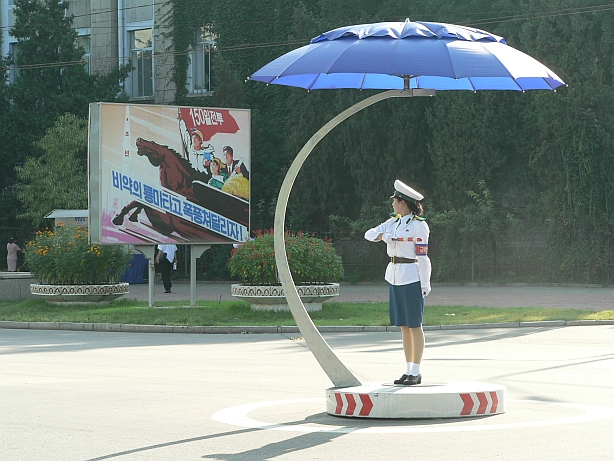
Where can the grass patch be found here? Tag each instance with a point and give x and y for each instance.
(234, 313)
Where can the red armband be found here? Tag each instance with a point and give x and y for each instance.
(422, 249)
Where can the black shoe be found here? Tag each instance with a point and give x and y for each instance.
(401, 380)
(167, 291)
(413, 380)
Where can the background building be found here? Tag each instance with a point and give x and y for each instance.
(114, 32)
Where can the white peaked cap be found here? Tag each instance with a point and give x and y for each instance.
(405, 192)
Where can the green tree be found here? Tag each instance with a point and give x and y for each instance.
(572, 155)
(472, 233)
(58, 178)
(51, 81)
(275, 27)
(545, 157)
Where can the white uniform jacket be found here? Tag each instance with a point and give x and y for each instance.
(406, 237)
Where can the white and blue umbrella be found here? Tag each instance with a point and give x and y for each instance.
(407, 59)
(408, 55)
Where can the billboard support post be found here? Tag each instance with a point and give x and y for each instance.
(196, 252)
(148, 251)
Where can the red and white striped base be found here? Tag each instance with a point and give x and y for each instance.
(427, 400)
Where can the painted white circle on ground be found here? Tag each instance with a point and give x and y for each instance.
(238, 416)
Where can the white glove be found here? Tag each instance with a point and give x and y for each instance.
(386, 237)
(425, 291)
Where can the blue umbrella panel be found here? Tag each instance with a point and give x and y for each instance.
(409, 55)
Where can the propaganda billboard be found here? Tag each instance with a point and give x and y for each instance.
(164, 174)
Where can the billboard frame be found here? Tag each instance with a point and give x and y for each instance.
(211, 213)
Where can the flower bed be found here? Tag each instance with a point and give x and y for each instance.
(314, 266)
(65, 257)
(312, 260)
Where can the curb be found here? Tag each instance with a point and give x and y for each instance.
(434, 284)
(132, 328)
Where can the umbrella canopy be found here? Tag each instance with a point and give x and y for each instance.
(408, 55)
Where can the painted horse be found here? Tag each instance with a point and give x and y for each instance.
(176, 174)
(166, 223)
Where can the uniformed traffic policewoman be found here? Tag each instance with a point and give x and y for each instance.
(406, 235)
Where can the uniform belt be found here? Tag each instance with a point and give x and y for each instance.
(399, 260)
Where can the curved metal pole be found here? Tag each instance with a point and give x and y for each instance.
(334, 368)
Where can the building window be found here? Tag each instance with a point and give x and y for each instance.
(13, 70)
(199, 72)
(85, 41)
(141, 52)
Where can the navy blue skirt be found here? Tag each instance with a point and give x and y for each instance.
(406, 305)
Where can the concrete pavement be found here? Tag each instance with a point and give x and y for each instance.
(570, 296)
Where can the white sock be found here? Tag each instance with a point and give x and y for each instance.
(410, 365)
(415, 369)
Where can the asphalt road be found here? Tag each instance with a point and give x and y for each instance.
(73, 395)
(67, 395)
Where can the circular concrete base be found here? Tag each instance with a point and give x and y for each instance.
(427, 400)
(79, 294)
(272, 297)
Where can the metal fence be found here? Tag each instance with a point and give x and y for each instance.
(519, 257)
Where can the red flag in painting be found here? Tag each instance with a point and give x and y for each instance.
(209, 121)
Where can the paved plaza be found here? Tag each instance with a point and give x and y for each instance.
(67, 395)
(571, 296)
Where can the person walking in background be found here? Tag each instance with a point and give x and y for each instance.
(12, 250)
(167, 260)
(406, 235)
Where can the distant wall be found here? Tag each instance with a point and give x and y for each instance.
(15, 286)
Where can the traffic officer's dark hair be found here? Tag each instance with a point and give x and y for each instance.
(415, 207)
